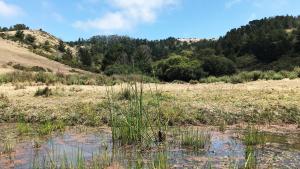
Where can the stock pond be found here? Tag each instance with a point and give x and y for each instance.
(225, 150)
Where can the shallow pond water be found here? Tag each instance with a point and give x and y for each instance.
(225, 150)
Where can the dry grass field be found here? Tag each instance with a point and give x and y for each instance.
(262, 102)
(12, 52)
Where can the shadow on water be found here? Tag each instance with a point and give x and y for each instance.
(80, 146)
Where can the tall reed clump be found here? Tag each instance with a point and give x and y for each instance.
(194, 138)
(131, 121)
(250, 157)
(253, 137)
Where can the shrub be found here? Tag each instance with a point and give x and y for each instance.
(29, 39)
(37, 69)
(118, 69)
(46, 92)
(3, 101)
(179, 68)
(193, 81)
(277, 76)
(218, 65)
(19, 67)
(19, 35)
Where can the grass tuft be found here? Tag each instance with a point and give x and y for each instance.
(195, 139)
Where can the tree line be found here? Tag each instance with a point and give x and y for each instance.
(266, 44)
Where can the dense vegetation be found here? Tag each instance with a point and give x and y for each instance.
(263, 45)
(266, 44)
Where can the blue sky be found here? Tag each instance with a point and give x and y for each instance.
(151, 19)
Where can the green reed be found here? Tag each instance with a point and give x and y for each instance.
(194, 138)
(131, 121)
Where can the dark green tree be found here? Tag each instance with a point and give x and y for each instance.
(179, 68)
(219, 65)
(19, 35)
(61, 46)
(68, 55)
(85, 56)
(142, 59)
(19, 27)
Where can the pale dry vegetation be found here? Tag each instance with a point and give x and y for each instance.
(261, 102)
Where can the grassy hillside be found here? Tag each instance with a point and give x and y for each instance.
(14, 56)
(32, 50)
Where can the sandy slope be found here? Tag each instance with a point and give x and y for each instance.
(13, 52)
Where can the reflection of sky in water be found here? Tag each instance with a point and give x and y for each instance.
(222, 150)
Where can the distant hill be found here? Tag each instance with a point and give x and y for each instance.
(38, 54)
(267, 44)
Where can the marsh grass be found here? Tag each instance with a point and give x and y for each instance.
(251, 162)
(160, 161)
(253, 137)
(49, 127)
(195, 139)
(24, 128)
(132, 122)
(222, 126)
(8, 146)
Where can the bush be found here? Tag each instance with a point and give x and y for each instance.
(3, 101)
(46, 92)
(29, 39)
(179, 68)
(19, 35)
(118, 69)
(218, 65)
(193, 81)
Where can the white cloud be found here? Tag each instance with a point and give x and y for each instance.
(126, 15)
(9, 10)
(231, 3)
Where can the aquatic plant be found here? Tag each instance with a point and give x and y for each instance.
(160, 161)
(131, 122)
(23, 128)
(8, 147)
(194, 138)
(253, 136)
(250, 158)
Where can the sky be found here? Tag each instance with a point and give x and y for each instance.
(151, 19)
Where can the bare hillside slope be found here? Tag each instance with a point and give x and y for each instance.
(13, 52)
